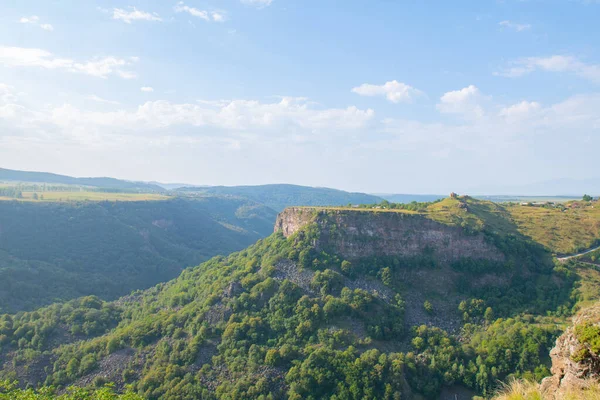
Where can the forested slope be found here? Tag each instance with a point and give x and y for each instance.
(59, 251)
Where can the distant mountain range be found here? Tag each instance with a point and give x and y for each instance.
(279, 196)
(46, 177)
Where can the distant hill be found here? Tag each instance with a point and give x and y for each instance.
(169, 186)
(46, 177)
(59, 251)
(280, 196)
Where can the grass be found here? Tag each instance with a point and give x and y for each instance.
(86, 196)
(526, 390)
(562, 232)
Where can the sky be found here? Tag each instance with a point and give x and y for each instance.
(380, 96)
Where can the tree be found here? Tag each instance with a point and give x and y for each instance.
(386, 276)
(347, 267)
(587, 197)
(428, 306)
(489, 314)
(35, 196)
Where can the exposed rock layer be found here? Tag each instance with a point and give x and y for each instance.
(568, 374)
(356, 234)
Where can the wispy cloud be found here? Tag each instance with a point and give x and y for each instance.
(257, 3)
(128, 16)
(394, 91)
(147, 89)
(515, 26)
(215, 16)
(98, 67)
(555, 63)
(35, 20)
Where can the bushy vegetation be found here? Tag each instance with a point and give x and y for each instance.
(10, 391)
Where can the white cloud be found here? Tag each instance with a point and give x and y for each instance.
(394, 91)
(257, 3)
(466, 102)
(6, 93)
(147, 89)
(215, 16)
(247, 120)
(35, 20)
(134, 15)
(219, 136)
(98, 67)
(520, 111)
(515, 26)
(99, 99)
(218, 17)
(555, 63)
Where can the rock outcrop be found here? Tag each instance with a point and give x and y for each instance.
(569, 370)
(358, 233)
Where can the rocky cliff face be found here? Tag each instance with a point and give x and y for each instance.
(570, 372)
(356, 234)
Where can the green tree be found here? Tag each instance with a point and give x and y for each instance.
(347, 267)
(489, 314)
(428, 307)
(386, 276)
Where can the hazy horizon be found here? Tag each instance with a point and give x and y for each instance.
(523, 192)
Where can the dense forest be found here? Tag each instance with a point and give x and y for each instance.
(286, 318)
(59, 251)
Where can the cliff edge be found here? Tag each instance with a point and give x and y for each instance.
(366, 233)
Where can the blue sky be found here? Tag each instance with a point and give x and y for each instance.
(377, 96)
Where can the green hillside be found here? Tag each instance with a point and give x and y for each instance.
(279, 197)
(290, 318)
(564, 229)
(58, 251)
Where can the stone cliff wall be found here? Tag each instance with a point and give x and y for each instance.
(569, 372)
(357, 233)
